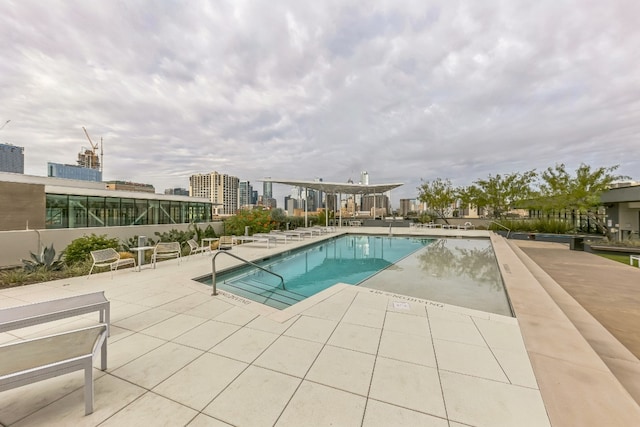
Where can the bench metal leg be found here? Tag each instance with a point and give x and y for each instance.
(88, 388)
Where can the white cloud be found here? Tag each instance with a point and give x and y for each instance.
(405, 90)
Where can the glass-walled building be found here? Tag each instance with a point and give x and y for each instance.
(31, 202)
(74, 211)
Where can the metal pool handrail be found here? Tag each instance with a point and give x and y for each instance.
(214, 290)
(497, 223)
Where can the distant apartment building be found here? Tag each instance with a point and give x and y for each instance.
(11, 158)
(377, 201)
(411, 205)
(267, 190)
(221, 189)
(59, 170)
(130, 186)
(177, 191)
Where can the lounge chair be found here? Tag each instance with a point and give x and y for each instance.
(195, 249)
(166, 250)
(109, 258)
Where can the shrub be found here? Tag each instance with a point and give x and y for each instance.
(79, 249)
(174, 235)
(258, 221)
(45, 261)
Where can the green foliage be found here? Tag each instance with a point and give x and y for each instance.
(439, 195)
(174, 235)
(79, 249)
(199, 233)
(322, 217)
(279, 216)
(425, 218)
(45, 261)
(295, 222)
(499, 194)
(132, 242)
(258, 221)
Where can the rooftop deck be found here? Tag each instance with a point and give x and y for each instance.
(348, 356)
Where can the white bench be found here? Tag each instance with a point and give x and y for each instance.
(109, 258)
(250, 239)
(47, 311)
(37, 359)
(634, 258)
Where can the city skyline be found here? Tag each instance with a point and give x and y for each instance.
(406, 92)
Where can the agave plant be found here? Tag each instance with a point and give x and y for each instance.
(46, 260)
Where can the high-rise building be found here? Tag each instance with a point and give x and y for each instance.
(245, 190)
(177, 191)
(58, 170)
(378, 201)
(220, 189)
(11, 158)
(267, 189)
(364, 178)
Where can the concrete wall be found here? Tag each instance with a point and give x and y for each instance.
(22, 206)
(16, 245)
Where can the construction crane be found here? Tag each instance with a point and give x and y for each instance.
(89, 158)
(5, 123)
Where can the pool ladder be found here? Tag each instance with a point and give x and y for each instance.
(214, 290)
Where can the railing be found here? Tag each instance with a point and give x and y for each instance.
(214, 290)
(497, 223)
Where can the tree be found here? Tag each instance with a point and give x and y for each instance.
(438, 194)
(580, 193)
(499, 194)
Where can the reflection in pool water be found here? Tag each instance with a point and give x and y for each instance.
(461, 272)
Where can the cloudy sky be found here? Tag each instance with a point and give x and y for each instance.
(406, 90)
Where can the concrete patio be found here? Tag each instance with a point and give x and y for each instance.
(348, 356)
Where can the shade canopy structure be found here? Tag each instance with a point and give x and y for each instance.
(337, 187)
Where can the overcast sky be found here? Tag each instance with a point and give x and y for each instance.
(406, 90)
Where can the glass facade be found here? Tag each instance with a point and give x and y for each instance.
(69, 211)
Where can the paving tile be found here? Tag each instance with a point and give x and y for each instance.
(173, 327)
(159, 298)
(141, 321)
(466, 333)
(480, 402)
(371, 300)
(408, 385)
(407, 323)
(128, 349)
(200, 381)
(317, 405)
(380, 414)
(236, 316)
(203, 420)
(312, 329)
(265, 324)
(517, 367)
(396, 305)
(185, 303)
(206, 335)
(468, 359)
(210, 309)
(154, 367)
(255, 398)
(365, 316)
(290, 355)
(122, 310)
(111, 394)
(22, 401)
(356, 337)
(152, 410)
(244, 345)
(501, 335)
(328, 310)
(407, 348)
(444, 314)
(344, 369)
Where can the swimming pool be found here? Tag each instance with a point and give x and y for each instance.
(443, 270)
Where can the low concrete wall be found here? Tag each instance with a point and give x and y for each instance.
(16, 245)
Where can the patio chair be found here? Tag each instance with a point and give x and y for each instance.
(109, 258)
(166, 250)
(225, 243)
(195, 249)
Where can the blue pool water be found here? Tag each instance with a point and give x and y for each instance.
(455, 271)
